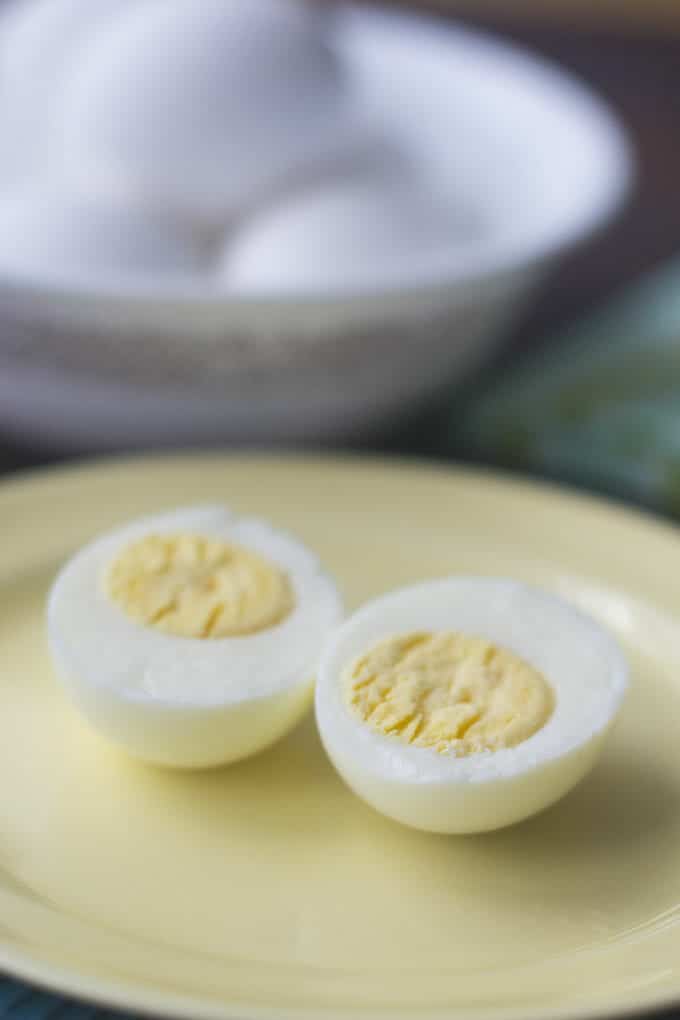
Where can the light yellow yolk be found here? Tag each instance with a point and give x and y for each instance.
(456, 694)
(197, 587)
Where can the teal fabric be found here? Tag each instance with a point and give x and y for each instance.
(601, 407)
(19, 1002)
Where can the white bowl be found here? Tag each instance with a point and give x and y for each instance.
(114, 364)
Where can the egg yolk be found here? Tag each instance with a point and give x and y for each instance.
(453, 693)
(196, 587)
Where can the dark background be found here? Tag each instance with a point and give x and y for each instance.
(638, 72)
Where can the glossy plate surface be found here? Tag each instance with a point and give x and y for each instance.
(266, 889)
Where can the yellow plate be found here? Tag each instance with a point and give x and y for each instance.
(266, 889)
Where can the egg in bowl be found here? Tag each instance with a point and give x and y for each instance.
(191, 638)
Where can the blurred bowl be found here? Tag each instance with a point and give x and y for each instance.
(530, 149)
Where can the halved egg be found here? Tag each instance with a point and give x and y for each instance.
(466, 704)
(191, 638)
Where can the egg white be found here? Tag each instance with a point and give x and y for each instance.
(183, 701)
(443, 793)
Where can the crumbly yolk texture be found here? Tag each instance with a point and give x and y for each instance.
(192, 586)
(455, 694)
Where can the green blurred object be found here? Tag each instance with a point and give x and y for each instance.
(600, 407)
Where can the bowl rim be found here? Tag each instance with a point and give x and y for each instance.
(439, 270)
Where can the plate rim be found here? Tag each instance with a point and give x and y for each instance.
(135, 996)
(137, 999)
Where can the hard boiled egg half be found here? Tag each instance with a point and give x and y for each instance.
(466, 704)
(191, 638)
